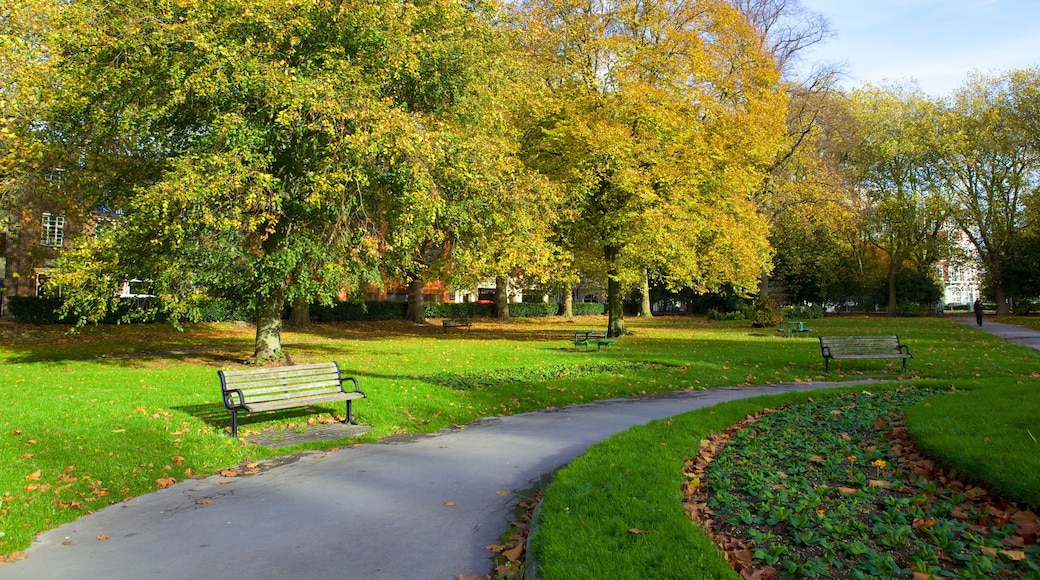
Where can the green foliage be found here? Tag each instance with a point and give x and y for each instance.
(340, 311)
(126, 310)
(1026, 306)
(743, 311)
(225, 310)
(261, 151)
(588, 308)
(907, 309)
(533, 309)
(34, 309)
(458, 309)
(656, 169)
(768, 313)
(803, 312)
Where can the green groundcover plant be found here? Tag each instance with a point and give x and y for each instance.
(850, 500)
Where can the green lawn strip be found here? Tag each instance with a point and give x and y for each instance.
(616, 511)
(989, 434)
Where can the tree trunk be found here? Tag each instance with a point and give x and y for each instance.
(268, 343)
(568, 301)
(645, 310)
(892, 291)
(1000, 294)
(502, 299)
(416, 308)
(300, 315)
(615, 302)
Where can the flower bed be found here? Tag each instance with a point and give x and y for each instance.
(834, 488)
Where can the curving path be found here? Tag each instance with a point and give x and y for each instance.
(423, 508)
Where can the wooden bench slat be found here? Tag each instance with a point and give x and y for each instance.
(279, 394)
(274, 404)
(294, 385)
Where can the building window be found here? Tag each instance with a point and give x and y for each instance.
(53, 230)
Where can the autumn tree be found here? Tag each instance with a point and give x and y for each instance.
(248, 144)
(658, 119)
(991, 167)
(805, 197)
(895, 163)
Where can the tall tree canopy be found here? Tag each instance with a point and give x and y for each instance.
(659, 119)
(991, 167)
(248, 144)
(895, 160)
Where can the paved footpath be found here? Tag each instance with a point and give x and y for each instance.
(1010, 332)
(369, 512)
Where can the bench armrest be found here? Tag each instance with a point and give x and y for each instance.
(343, 380)
(905, 349)
(229, 396)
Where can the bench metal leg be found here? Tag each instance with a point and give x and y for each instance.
(234, 424)
(350, 415)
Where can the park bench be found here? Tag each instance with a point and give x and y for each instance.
(587, 338)
(455, 323)
(862, 347)
(269, 389)
(795, 327)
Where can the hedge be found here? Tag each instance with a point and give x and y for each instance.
(34, 309)
(588, 308)
(45, 310)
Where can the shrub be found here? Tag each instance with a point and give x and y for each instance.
(768, 314)
(533, 309)
(458, 309)
(358, 311)
(804, 312)
(715, 314)
(588, 308)
(911, 310)
(34, 309)
(225, 310)
(1023, 307)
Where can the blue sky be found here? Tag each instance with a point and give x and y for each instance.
(936, 42)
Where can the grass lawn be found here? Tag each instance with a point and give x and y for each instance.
(94, 418)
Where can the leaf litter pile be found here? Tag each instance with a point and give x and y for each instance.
(834, 488)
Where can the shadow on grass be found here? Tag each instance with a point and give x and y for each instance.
(215, 415)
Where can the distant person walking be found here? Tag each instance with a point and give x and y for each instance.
(978, 311)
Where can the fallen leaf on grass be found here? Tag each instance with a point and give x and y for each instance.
(637, 531)
(880, 483)
(165, 482)
(34, 476)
